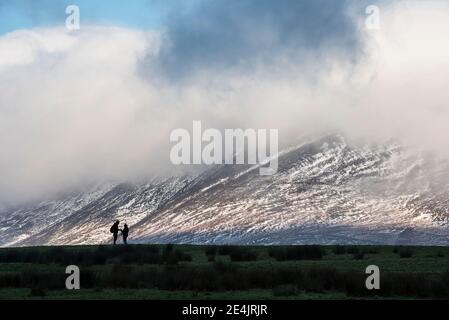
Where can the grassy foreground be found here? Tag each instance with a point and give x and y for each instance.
(224, 272)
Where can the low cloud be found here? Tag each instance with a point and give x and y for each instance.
(99, 104)
(243, 35)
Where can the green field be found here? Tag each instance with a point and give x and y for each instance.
(224, 272)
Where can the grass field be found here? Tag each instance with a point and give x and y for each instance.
(224, 272)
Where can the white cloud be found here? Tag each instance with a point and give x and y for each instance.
(79, 107)
(72, 108)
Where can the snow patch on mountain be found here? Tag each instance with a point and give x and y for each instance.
(325, 191)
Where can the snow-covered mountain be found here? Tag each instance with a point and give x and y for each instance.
(325, 191)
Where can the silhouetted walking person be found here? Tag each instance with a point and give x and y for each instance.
(125, 232)
(114, 230)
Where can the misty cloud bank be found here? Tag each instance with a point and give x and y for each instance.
(244, 35)
(99, 104)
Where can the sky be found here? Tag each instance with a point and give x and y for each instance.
(139, 14)
(79, 107)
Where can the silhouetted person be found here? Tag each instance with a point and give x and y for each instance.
(125, 232)
(114, 230)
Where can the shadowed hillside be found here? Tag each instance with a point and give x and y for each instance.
(224, 272)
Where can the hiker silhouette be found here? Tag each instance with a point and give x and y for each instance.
(125, 232)
(114, 230)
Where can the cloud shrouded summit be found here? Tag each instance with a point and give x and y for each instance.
(224, 34)
(100, 103)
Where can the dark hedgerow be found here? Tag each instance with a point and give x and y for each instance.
(310, 252)
(284, 290)
(37, 292)
(162, 270)
(224, 266)
(168, 249)
(210, 250)
(352, 250)
(226, 250)
(236, 253)
(243, 254)
(211, 258)
(353, 284)
(339, 250)
(227, 276)
(359, 255)
(98, 256)
(370, 250)
(405, 253)
(10, 280)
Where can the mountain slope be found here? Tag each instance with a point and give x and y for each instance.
(325, 191)
(20, 223)
(90, 224)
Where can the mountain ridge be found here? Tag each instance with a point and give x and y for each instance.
(325, 191)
